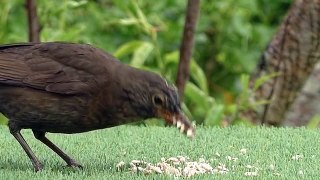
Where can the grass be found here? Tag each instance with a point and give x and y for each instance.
(271, 151)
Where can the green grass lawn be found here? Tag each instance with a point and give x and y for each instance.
(274, 153)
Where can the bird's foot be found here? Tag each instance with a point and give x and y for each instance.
(74, 164)
(38, 167)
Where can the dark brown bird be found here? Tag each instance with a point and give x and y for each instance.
(72, 88)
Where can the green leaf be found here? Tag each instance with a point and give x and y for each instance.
(244, 79)
(141, 54)
(127, 48)
(142, 18)
(128, 21)
(314, 122)
(172, 57)
(198, 75)
(214, 115)
(198, 97)
(75, 4)
(261, 80)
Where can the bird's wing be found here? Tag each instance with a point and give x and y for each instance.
(62, 68)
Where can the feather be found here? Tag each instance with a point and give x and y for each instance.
(63, 68)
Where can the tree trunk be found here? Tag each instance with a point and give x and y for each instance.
(186, 45)
(306, 105)
(292, 55)
(33, 23)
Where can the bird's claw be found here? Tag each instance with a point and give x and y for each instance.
(74, 164)
(38, 167)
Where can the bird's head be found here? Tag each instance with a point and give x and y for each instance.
(166, 105)
(155, 98)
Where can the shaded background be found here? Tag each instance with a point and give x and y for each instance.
(230, 37)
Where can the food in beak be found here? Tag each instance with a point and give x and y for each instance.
(181, 122)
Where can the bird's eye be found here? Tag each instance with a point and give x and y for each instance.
(158, 100)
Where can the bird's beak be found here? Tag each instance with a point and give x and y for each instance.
(180, 121)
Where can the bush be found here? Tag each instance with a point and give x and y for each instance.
(146, 34)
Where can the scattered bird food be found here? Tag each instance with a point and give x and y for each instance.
(176, 166)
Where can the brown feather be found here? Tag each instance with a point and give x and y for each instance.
(49, 67)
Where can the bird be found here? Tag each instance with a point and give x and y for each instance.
(63, 87)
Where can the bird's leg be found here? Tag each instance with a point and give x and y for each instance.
(36, 163)
(41, 137)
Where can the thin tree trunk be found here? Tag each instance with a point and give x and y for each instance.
(186, 46)
(34, 28)
(292, 55)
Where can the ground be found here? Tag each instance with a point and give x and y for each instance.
(234, 152)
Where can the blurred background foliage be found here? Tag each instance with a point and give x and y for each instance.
(229, 39)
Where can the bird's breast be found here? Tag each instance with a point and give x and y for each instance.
(43, 111)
